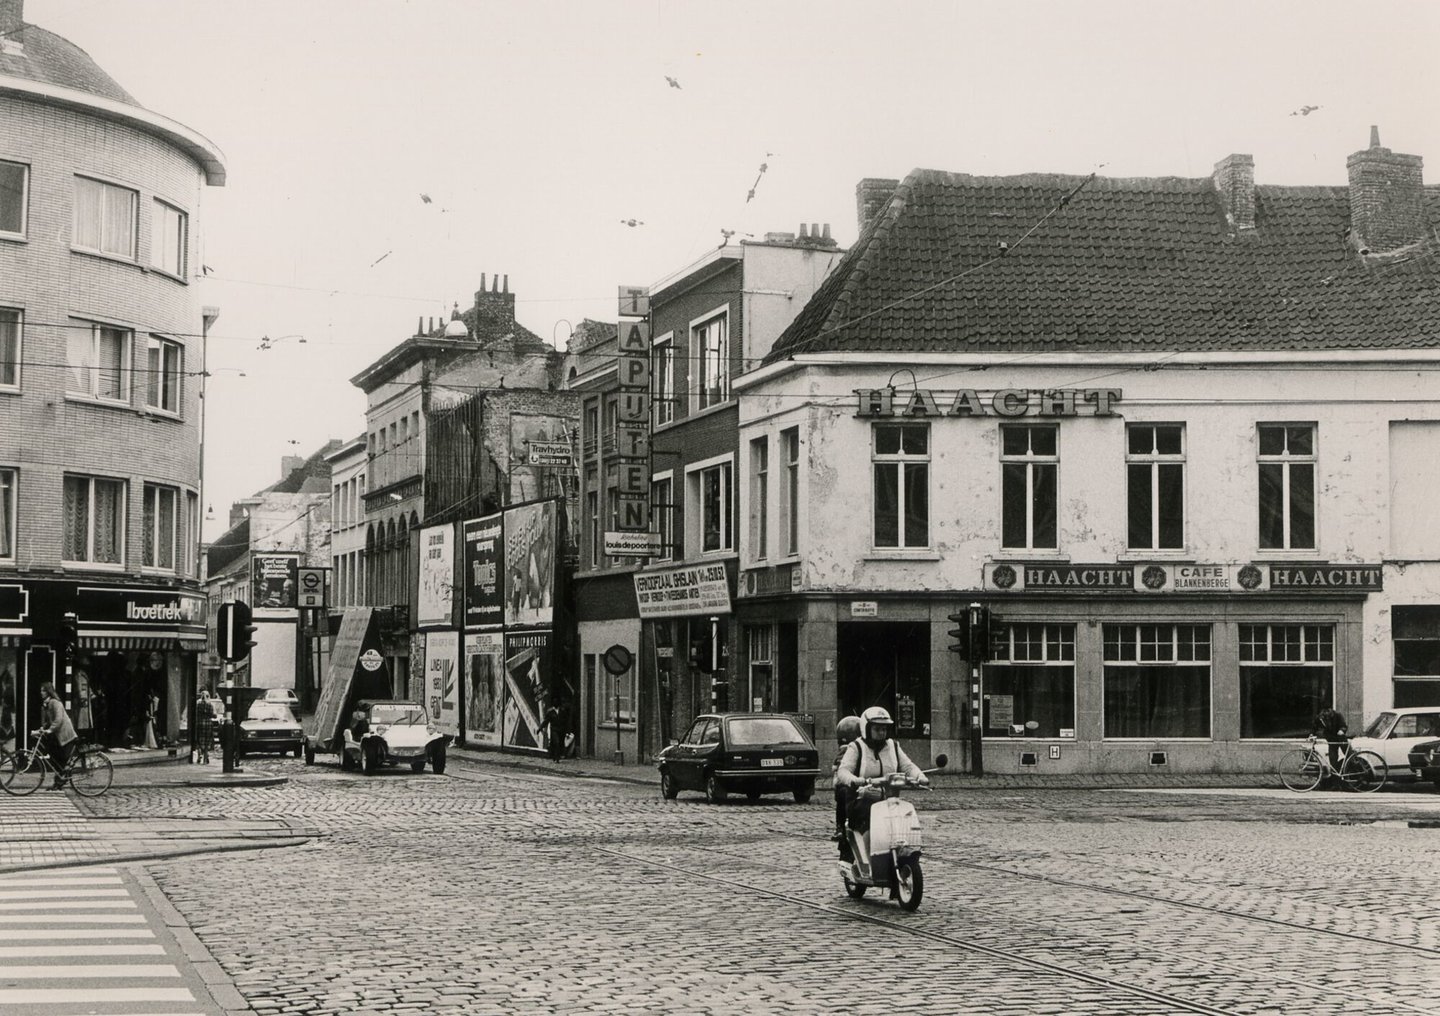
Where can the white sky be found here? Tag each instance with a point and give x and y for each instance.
(537, 127)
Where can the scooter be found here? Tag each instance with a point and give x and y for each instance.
(889, 855)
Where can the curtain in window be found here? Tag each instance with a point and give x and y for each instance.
(9, 347)
(1282, 701)
(119, 222)
(148, 549)
(12, 197)
(77, 518)
(1157, 701)
(109, 511)
(112, 363)
(81, 346)
(7, 513)
(89, 205)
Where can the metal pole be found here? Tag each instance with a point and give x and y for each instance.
(977, 762)
(619, 754)
(227, 731)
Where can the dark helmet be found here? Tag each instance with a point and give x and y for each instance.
(876, 725)
(848, 729)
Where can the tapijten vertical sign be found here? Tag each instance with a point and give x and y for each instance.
(632, 433)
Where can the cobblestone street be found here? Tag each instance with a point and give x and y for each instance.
(499, 890)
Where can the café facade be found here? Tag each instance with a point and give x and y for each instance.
(1193, 513)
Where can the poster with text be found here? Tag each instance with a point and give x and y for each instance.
(530, 561)
(527, 682)
(484, 686)
(436, 597)
(442, 680)
(541, 455)
(273, 580)
(484, 594)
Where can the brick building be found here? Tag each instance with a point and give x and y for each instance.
(101, 352)
(1180, 441)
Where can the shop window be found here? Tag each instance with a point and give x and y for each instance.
(94, 520)
(1029, 481)
(10, 320)
(99, 358)
(663, 355)
(1029, 687)
(1157, 680)
(1287, 675)
(759, 497)
(901, 464)
(1416, 633)
(164, 366)
(171, 239)
(710, 350)
(162, 529)
(1287, 486)
(760, 640)
(1155, 474)
(14, 197)
(7, 514)
(790, 491)
(105, 218)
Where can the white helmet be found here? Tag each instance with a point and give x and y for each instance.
(876, 716)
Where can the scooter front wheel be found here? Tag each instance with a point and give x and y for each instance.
(853, 889)
(910, 884)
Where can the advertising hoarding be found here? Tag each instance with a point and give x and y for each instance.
(273, 581)
(436, 597)
(442, 680)
(527, 682)
(531, 557)
(484, 590)
(682, 592)
(484, 686)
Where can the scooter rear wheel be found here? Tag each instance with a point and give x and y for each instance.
(910, 884)
(853, 889)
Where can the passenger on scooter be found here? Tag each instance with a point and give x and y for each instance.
(874, 754)
(846, 731)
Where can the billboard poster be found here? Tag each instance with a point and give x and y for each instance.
(273, 580)
(484, 594)
(435, 600)
(540, 454)
(530, 562)
(442, 679)
(484, 686)
(527, 672)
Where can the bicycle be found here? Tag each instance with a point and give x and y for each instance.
(89, 771)
(1302, 769)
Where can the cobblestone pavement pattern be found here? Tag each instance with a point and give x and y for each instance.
(494, 890)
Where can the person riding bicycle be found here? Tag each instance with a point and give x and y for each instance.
(57, 734)
(873, 754)
(1330, 724)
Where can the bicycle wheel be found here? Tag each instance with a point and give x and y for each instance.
(91, 773)
(25, 772)
(1300, 770)
(1364, 772)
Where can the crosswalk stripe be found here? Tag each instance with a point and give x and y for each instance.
(88, 996)
(40, 952)
(86, 904)
(69, 919)
(77, 971)
(75, 934)
(84, 892)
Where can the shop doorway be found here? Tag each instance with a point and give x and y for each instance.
(885, 663)
(41, 664)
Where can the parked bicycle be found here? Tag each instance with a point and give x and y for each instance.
(1302, 769)
(89, 771)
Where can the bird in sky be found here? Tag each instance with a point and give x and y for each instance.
(425, 198)
(1304, 111)
(673, 82)
(632, 222)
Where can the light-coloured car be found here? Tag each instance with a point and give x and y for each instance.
(270, 726)
(400, 732)
(1395, 732)
(284, 696)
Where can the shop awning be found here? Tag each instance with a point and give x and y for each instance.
(12, 637)
(161, 640)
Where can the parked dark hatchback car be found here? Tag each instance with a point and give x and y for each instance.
(1425, 761)
(743, 753)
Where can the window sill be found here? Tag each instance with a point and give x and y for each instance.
(10, 390)
(167, 274)
(1305, 554)
(900, 554)
(1139, 556)
(14, 237)
(118, 259)
(91, 566)
(161, 414)
(95, 400)
(1018, 554)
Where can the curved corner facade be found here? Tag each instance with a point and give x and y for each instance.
(101, 364)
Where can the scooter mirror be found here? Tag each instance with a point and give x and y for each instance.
(942, 760)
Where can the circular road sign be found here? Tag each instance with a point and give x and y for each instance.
(370, 660)
(617, 659)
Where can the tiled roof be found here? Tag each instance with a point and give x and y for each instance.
(52, 60)
(1126, 264)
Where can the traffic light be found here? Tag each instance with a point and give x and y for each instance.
(702, 650)
(960, 633)
(979, 623)
(69, 631)
(234, 632)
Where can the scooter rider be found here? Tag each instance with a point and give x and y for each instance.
(846, 731)
(874, 754)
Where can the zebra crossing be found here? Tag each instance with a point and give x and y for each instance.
(77, 941)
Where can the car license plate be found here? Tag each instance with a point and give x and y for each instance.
(772, 761)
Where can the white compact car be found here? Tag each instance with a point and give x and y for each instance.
(1394, 732)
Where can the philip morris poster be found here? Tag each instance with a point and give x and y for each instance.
(527, 676)
(436, 597)
(484, 686)
(530, 561)
(273, 580)
(442, 679)
(484, 594)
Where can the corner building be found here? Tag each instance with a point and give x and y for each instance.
(101, 359)
(1181, 442)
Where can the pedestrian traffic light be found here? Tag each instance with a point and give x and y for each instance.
(960, 633)
(234, 632)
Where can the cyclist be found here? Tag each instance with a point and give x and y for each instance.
(1330, 724)
(57, 733)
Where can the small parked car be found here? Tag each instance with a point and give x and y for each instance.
(1425, 761)
(399, 732)
(744, 753)
(1394, 734)
(270, 726)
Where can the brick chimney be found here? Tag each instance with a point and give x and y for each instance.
(290, 463)
(871, 194)
(493, 316)
(1234, 180)
(1387, 202)
(12, 18)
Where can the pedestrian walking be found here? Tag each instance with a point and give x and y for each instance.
(56, 731)
(204, 726)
